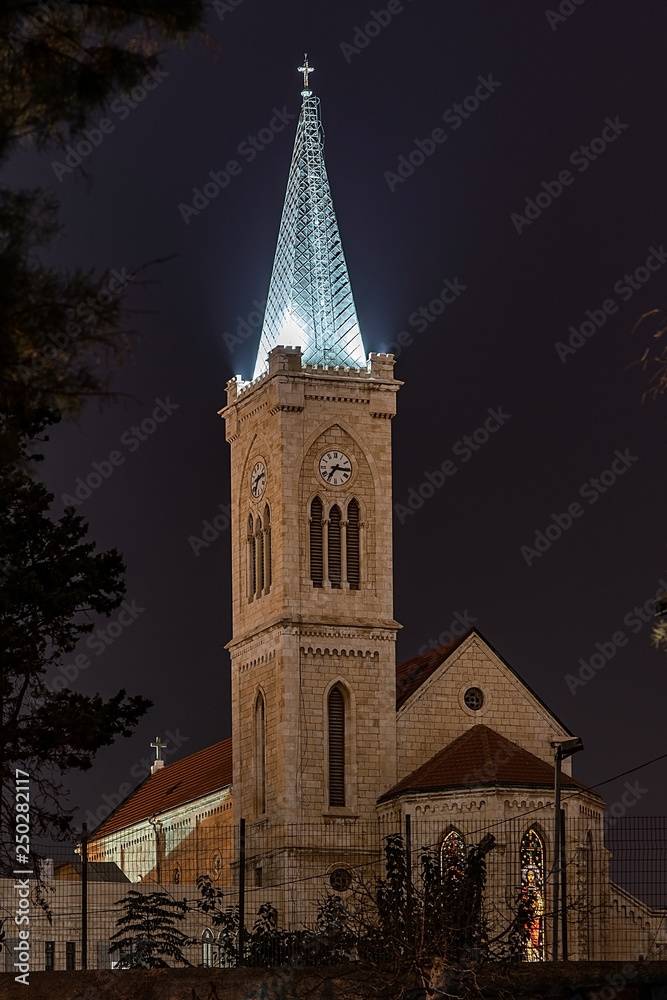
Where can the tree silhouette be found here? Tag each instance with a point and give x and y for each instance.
(148, 931)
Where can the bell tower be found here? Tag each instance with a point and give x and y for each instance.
(313, 647)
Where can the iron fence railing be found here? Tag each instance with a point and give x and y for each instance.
(280, 893)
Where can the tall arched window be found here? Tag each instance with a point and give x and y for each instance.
(260, 756)
(532, 893)
(452, 855)
(259, 536)
(335, 568)
(353, 569)
(252, 569)
(207, 948)
(316, 554)
(267, 548)
(336, 720)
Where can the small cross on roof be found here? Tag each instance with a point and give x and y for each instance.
(159, 746)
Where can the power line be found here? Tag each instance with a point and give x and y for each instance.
(632, 769)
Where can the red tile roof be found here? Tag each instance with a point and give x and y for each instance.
(183, 781)
(411, 674)
(480, 757)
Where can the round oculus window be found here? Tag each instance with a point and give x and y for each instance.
(216, 865)
(473, 699)
(340, 880)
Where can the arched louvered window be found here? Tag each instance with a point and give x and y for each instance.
(334, 533)
(353, 571)
(267, 547)
(259, 536)
(260, 756)
(336, 713)
(252, 569)
(316, 554)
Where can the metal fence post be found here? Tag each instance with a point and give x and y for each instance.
(241, 892)
(408, 867)
(556, 870)
(563, 885)
(84, 895)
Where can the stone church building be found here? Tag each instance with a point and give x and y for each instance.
(333, 743)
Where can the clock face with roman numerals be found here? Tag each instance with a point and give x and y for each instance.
(335, 468)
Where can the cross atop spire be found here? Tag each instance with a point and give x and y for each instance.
(305, 69)
(310, 303)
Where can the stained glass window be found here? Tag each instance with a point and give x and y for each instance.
(532, 893)
(452, 855)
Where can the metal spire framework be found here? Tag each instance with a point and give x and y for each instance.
(310, 303)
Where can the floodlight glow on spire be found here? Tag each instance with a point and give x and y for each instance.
(310, 303)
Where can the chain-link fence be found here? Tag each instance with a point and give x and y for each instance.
(266, 893)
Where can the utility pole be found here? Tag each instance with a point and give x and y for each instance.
(562, 750)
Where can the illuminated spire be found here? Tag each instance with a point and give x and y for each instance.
(310, 303)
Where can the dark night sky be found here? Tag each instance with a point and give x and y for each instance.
(493, 347)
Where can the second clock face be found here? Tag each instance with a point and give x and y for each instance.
(335, 468)
(258, 479)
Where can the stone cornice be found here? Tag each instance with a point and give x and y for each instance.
(294, 626)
